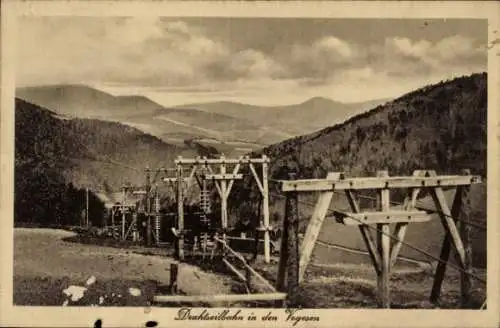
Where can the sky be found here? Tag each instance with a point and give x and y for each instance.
(262, 61)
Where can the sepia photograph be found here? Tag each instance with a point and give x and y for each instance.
(249, 168)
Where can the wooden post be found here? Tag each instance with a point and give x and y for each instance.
(123, 213)
(174, 270)
(87, 207)
(180, 213)
(314, 226)
(223, 187)
(157, 217)
(465, 232)
(148, 207)
(384, 248)
(292, 265)
(265, 210)
(281, 279)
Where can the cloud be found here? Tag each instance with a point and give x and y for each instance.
(149, 51)
(330, 59)
(176, 56)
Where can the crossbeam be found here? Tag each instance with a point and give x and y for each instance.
(174, 179)
(224, 176)
(219, 298)
(379, 217)
(242, 160)
(378, 183)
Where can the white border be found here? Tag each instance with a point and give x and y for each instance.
(135, 317)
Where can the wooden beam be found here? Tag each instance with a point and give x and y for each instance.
(256, 177)
(447, 219)
(240, 275)
(174, 272)
(265, 211)
(219, 298)
(223, 194)
(292, 264)
(174, 179)
(231, 182)
(244, 262)
(445, 251)
(226, 176)
(384, 247)
(400, 229)
(314, 227)
(365, 233)
(241, 160)
(377, 183)
(380, 217)
(217, 183)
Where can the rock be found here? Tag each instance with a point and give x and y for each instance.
(91, 280)
(134, 292)
(75, 292)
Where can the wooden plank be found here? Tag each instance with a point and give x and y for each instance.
(384, 247)
(219, 298)
(173, 179)
(244, 262)
(240, 275)
(447, 219)
(314, 227)
(226, 176)
(365, 233)
(377, 183)
(380, 217)
(241, 160)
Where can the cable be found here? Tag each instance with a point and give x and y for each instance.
(397, 239)
(431, 210)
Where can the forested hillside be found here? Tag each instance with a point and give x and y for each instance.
(440, 127)
(56, 158)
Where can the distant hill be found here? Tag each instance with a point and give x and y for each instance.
(291, 120)
(85, 102)
(440, 127)
(81, 101)
(59, 156)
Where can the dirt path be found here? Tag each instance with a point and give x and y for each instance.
(40, 255)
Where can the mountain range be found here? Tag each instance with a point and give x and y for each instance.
(232, 128)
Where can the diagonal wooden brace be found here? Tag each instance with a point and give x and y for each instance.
(365, 233)
(314, 227)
